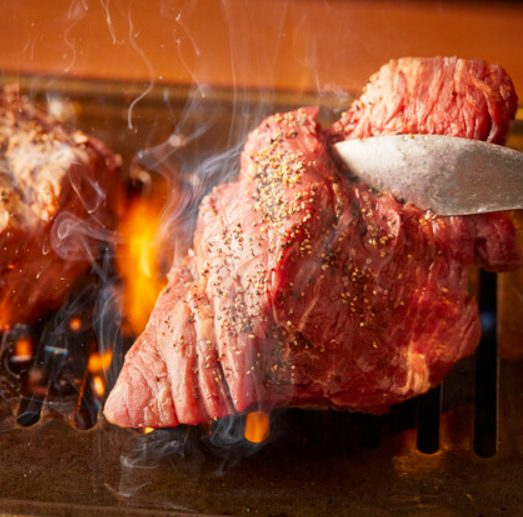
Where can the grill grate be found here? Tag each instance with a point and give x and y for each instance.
(428, 422)
(64, 386)
(456, 450)
(487, 368)
(430, 405)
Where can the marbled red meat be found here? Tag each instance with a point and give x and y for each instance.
(58, 187)
(308, 289)
(468, 98)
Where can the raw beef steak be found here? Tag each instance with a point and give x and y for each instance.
(308, 289)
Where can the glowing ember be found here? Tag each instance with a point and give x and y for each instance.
(98, 386)
(23, 350)
(148, 430)
(257, 427)
(136, 262)
(75, 324)
(99, 362)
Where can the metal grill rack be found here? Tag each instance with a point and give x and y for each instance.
(458, 450)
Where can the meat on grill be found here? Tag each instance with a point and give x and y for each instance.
(308, 289)
(56, 188)
(440, 96)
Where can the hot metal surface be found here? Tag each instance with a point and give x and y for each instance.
(314, 463)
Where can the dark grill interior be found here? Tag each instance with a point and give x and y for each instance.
(456, 450)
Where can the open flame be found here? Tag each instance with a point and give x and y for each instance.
(98, 386)
(98, 362)
(23, 350)
(257, 427)
(75, 324)
(136, 261)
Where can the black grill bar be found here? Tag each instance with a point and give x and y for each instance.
(487, 371)
(370, 428)
(428, 424)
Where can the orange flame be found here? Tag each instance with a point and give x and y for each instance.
(257, 427)
(137, 264)
(98, 385)
(23, 350)
(75, 324)
(99, 362)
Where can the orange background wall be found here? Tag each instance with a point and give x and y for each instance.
(295, 44)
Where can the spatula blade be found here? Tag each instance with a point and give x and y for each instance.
(449, 175)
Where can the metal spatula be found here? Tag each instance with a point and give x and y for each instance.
(449, 175)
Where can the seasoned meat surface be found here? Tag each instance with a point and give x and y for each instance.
(57, 188)
(306, 288)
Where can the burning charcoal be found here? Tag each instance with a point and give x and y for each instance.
(310, 290)
(68, 371)
(59, 198)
